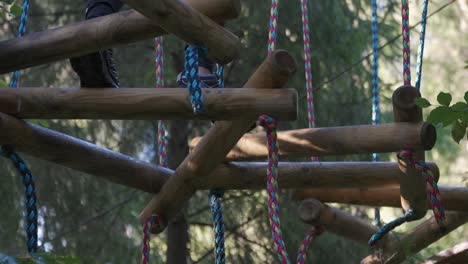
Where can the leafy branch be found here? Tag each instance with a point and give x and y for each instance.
(446, 114)
(9, 8)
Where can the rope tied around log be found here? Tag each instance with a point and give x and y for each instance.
(432, 190)
(30, 196)
(192, 54)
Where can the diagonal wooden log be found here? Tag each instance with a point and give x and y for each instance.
(300, 175)
(191, 26)
(453, 255)
(413, 187)
(339, 222)
(422, 236)
(148, 104)
(96, 34)
(336, 141)
(81, 155)
(454, 198)
(274, 72)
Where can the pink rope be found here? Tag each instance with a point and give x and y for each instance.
(163, 126)
(406, 42)
(272, 26)
(310, 236)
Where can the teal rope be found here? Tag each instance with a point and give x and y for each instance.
(408, 217)
(21, 31)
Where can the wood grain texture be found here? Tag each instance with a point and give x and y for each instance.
(338, 221)
(453, 198)
(421, 237)
(300, 175)
(96, 34)
(191, 26)
(83, 156)
(413, 188)
(274, 72)
(147, 104)
(335, 141)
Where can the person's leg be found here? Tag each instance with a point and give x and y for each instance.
(97, 70)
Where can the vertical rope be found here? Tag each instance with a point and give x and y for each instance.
(145, 248)
(193, 81)
(406, 42)
(307, 63)
(310, 236)
(30, 197)
(163, 126)
(375, 86)
(21, 31)
(272, 26)
(215, 197)
(220, 75)
(422, 36)
(272, 187)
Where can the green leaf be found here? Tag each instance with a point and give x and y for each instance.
(444, 98)
(422, 102)
(460, 106)
(16, 10)
(466, 96)
(443, 115)
(458, 131)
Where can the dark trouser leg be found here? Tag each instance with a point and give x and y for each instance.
(97, 70)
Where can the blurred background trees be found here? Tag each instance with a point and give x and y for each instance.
(97, 222)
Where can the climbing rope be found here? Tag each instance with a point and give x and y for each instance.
(432, 190)
(422, 37)
(270, 124)
(30, 196)
(194, 84)
(406, 42)
(21, 30)
(272, 26)
(20, 164)
(154, 221)
(215, 197)
(375, 87)
(377, 236)
(309, 237)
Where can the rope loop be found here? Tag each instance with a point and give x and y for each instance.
(30, 196)
(432, 190)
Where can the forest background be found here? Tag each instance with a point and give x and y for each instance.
(89, 220)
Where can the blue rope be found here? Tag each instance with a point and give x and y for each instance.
(422, 36)
(22, 29)
(375, 86)
(218, 224)
(193, 81)
(408, 217)
(220, 75)
(30, 193)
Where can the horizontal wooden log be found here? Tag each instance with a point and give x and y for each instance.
(274, 72)
(300, 175)
(336, 141)
(453, 198)
(81, 155)
(337, 221)
(421, 237)
(412, 188)
(147, 103)
(96, 34)
(191, 26)
(454, 255)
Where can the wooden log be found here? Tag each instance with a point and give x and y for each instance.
(274, 72)
(336, 141)
(422, 236)
(81, 155)
(191, 26)
(412, 188)
(300, 175)
(149, 104)
(96, 34)
(337, 221)
(454, 255)
(453, 198)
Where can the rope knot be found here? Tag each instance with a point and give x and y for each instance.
(268, 122)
